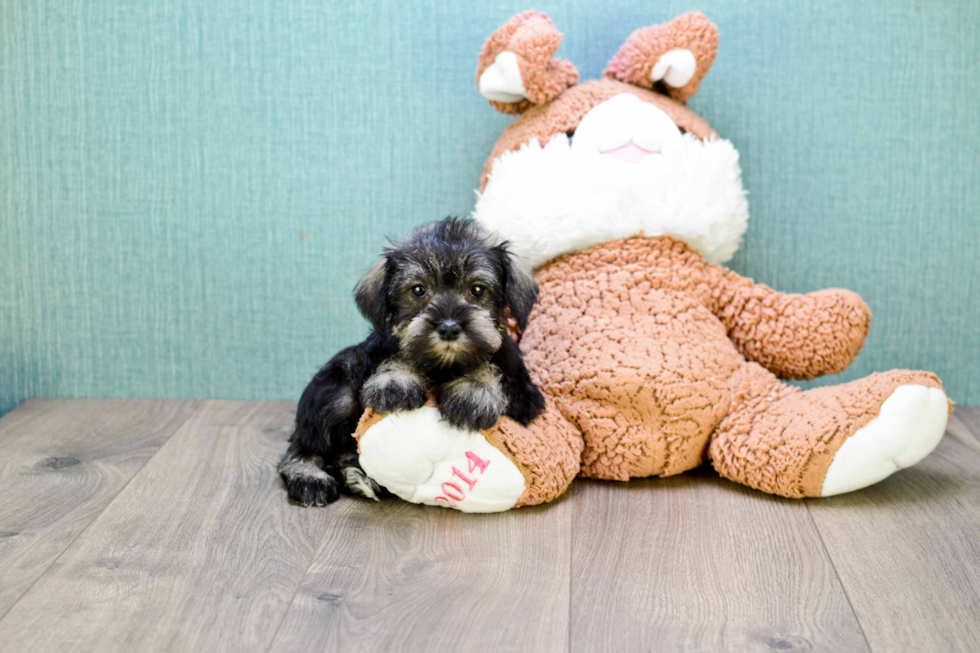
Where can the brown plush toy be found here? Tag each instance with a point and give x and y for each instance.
(652, 357)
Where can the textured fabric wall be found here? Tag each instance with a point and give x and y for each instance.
(189, 190)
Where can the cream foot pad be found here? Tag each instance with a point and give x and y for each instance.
(908, 427)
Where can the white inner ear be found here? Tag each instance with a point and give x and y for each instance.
(675, 68)
(502, 81)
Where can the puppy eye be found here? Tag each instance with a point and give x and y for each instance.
(418, 290)
(477, 291)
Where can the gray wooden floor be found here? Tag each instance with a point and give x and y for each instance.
(144, 525)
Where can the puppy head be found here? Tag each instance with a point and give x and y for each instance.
(444, 293)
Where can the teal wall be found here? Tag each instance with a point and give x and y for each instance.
(189, 190)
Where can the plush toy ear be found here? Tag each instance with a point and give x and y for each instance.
(671, 58)
(520, 288)
(371, 295)
(516, 67)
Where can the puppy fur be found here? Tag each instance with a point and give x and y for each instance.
(437, 305)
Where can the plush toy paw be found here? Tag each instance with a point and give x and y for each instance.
(420, 458)
(908, 427)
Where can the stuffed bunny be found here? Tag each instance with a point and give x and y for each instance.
(652, 357)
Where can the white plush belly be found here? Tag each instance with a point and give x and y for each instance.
(422, 459)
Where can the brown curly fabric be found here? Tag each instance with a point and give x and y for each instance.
(780, 440)
(624, 337)
(794, 336)
(644, 347)
(533, 38)
(547, 452)
(634, 61)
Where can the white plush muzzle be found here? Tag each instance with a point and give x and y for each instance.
(628, 170)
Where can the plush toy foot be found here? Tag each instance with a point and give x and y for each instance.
(422, 459)
(828, 440)
(419, 457)
(908, 427)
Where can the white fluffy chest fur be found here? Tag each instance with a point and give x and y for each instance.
(553, 200)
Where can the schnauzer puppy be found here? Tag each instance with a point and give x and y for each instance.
(438, 306)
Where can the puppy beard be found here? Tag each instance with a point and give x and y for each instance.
(480, 339)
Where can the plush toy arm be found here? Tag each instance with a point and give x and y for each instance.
(794, 336)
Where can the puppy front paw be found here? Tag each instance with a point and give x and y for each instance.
(525, 405)
(471, 404)
(394, 387)
(468, 415)
(392, 397)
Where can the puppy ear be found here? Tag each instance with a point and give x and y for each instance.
(520, 289)
(371, 295)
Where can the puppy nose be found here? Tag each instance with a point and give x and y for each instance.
(449, 330)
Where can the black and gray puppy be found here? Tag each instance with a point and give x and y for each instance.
(437, 304)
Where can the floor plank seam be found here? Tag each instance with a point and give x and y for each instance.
(101, 512)
(571, 557)
(299, 586)
(840, 581)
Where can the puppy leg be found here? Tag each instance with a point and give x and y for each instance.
(325, 421)
(307, 483)
(356, 480)
(473, 401)
(396, 385)
(524, 399)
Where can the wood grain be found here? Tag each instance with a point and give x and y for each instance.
(200, 552)
(695, 563)
(61, 463)
(908, 549)
(968, 417)
(401, 577)
(196, 548)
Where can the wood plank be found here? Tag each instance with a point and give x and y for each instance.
(61, 462)
(696, 563)
(908, 549)
(969, 416)
(401, 577)
(200, 552)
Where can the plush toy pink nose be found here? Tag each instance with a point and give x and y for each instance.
(629, 153)
(625, 128)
